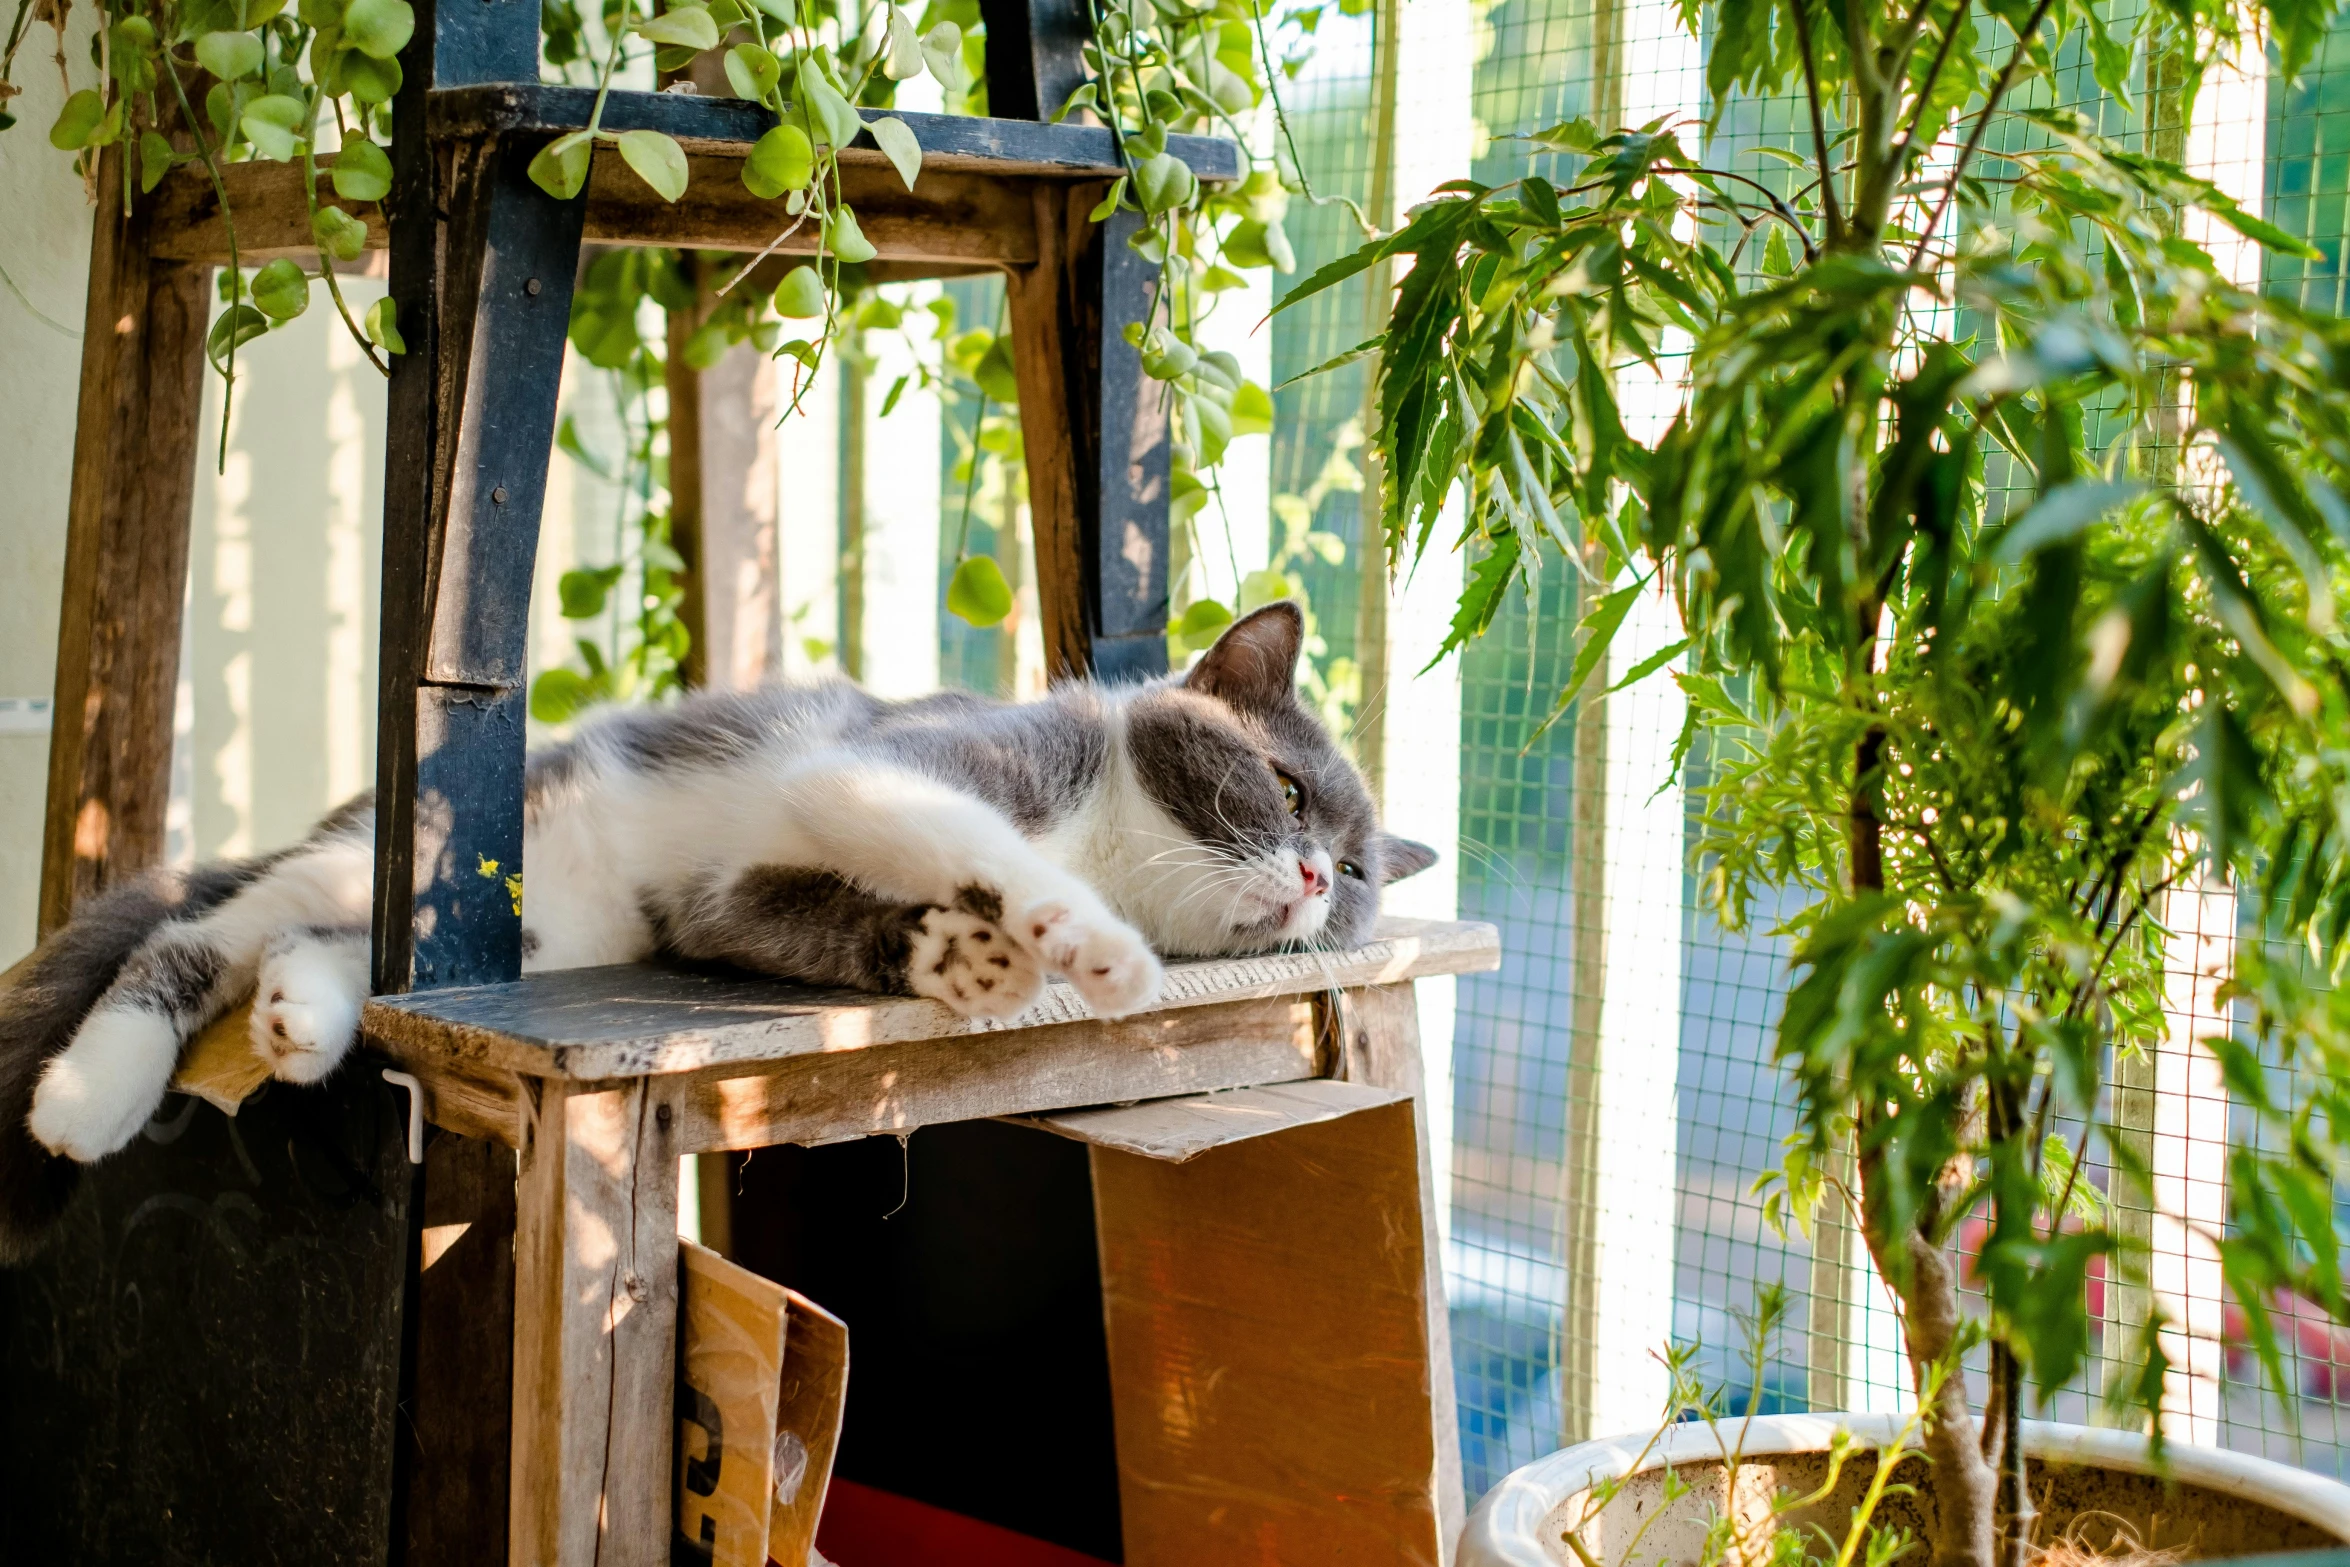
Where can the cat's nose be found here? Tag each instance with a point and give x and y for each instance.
(1315, 881)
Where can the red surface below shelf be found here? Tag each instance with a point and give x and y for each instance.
(867, 1528)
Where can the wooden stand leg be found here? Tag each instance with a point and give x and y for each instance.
(126, 559)
(1097, 441)
(595, 1329)
(461, 1341)
(485, 308)
(1382, 1048)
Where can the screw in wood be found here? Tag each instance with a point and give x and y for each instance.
(531, 288)
(498, 496)
(661, 1114)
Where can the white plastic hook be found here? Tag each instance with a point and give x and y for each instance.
(409, 1081)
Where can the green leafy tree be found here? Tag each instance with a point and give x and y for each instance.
(2006, 531)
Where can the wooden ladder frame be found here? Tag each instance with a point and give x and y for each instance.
(482, 266)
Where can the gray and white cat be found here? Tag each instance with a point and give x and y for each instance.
(950, 847)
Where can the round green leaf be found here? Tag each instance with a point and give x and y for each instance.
(942, 51)
(1255, 244)
(582, 591)
(383, 327)
(1201, 624)
(237, 325)
(78, 121)
(903, 57)
(896, 140)
(362, 171)
(270, 124)
(339, 234)
(1260, 588)
(829, 113)
(706, 345)
(994, 373)
(845, 239)
(229, 55)
(1252, 410)
(280, 290)
(783, 160)
(379, 29)
(155, 159)
(1219, 369)
(979, 592)
(658, 161)
(557, 695)
(1163, 182)
(802, 294)
(368, 79)
(561, 166)
(752, 72)
(686, 27)
(132, 58)
(1164, 358)
(1211, 429)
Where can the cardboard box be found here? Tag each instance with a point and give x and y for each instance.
(762, 1371)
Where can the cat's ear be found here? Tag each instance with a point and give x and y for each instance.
(1253, 665)
(1401, 857)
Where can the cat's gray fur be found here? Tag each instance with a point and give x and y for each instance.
(1062, 835)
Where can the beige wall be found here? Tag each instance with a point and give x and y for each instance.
(45, 250)
(277, 673)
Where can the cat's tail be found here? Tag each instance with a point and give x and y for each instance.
(43, 1001)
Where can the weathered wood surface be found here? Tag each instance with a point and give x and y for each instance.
(1035, 55)
(1379, 1045)
(595, 1328)
(473, 425)
(956, 220)
(833, 1096)
(1039, 299)
(1179, 1130)
(1268, 1308)
(637, 1019)
(457, 1394)
(948, 141)
(126, 559)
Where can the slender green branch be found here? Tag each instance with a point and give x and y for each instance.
(1819, 128)
(1974, 141)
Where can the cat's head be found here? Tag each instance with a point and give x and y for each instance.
(1277, 843)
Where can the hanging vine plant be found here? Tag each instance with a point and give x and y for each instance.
(213, 83)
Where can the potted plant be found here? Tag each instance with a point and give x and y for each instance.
(2006, 530)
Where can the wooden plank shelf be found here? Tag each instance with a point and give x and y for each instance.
(973, 207)
(643, 1020)
(703, 123)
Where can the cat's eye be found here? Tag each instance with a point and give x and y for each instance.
(1291, 794)
(1350, 868)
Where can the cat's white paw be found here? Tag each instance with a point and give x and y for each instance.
(971, 965)
(306, 1011)
(1107, 961)
(95, 1094)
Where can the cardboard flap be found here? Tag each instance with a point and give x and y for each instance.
(220, 1065)
(1181, 1129)
(808, 1412)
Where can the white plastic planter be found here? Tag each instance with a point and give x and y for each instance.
(2215, 1504)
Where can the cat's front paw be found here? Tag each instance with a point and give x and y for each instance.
(306, 1011)
(1107, 961)
(968, 962)
(95, 1095)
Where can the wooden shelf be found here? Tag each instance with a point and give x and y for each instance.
(971, 208)
(710, 124)
(640, 1020)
